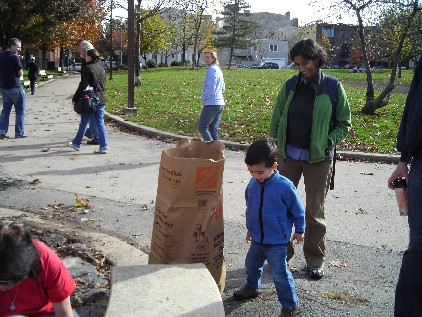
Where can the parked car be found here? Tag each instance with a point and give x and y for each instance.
(290, 66)
(378, 67)
(270, 65)
(78, 67)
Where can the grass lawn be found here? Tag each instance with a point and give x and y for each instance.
(169, 99)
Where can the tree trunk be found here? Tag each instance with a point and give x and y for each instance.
(61, 58)
(384, 98)
(44, 56)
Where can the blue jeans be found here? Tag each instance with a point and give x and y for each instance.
(408, 301)
(282, 277)
(99, 121)
(209, 122)
(14, 96)
(92, 132)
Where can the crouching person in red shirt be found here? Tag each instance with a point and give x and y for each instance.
(34, 282)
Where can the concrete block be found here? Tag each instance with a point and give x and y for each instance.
(164, 290)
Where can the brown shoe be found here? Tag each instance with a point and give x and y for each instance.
(92, 142)
(316, 272)
(245, 292)
(3, 136)
(290, 311)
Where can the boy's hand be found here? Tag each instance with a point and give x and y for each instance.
(298, 237)
(248, 237)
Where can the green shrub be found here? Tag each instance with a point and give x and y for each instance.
(175, 63)
(185, 63)
(151, 63)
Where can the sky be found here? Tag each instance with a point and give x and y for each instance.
(299, 9)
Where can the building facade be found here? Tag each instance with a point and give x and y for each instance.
(341, 37)
(272, 41)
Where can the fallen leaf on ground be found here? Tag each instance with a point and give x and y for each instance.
(45, 149)
(35, 181)
(362, 211)
(338, 263)
(81, 201)
(366, 173)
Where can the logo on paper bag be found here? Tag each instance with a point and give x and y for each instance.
(207, 177)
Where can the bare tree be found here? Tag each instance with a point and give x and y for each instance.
(364, 10)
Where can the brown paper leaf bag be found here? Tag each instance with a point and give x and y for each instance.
(188, 219)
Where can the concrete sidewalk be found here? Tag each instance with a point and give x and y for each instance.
(364, 230)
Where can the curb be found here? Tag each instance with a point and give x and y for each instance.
(117, 251)
(155, 133)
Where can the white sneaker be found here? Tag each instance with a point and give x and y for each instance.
(100, 151)
(73, 146)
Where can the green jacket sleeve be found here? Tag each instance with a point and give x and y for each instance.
(342, 122)
(278, 112)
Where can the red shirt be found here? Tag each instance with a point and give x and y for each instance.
(35, 297)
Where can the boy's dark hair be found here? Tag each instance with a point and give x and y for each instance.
(309, 50)
(93, 54)
(262, 151)
(19, 258)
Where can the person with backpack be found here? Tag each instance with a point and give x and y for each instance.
(311, 116)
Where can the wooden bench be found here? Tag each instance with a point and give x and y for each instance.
(44, 76)
(25, 83)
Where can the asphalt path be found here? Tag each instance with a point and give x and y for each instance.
(365, 234)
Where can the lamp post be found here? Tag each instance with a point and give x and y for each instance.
(130, 60)
(111, 39)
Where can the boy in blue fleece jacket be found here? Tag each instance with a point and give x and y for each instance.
(272, 207)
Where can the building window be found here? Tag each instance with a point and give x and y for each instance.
(273, 48)
(328, 31)
(342, 34)
(172, 55)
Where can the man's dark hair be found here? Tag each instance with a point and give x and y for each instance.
(13, 41)
(309, 50)
(19, 258)
(262, 151)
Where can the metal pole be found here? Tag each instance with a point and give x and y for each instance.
(111, 39)
(130, 60)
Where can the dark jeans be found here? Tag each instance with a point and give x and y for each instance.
(32, 81)
(408, 302)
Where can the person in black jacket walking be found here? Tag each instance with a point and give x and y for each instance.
(33, 71)
(409, 143)
(92, 78)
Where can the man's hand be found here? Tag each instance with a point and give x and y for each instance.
(298, 237)
(248, 237)
(401, 171)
